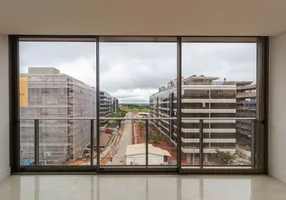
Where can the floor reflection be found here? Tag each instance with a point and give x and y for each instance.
(142, 187)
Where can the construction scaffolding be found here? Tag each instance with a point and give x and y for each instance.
(55, 95)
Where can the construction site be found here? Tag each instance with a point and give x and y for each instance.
(45, 93)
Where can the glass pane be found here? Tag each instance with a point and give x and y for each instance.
(219, 139)
(218, 86)
(116, 143)
(135, 75)
(136, 152)
(57, 85)
(27, 143)
(220, 145)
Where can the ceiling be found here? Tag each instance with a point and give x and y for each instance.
(143, 17)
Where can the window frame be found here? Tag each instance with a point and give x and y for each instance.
(262, 93)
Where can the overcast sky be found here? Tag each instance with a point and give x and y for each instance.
(134, 71)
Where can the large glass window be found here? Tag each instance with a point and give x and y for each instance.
(111, 103)
(57, 86)
(218, 87)
(137, 80)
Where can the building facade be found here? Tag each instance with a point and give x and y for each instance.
(246, 107)
(108, 106)
(105, 104)
(51, 94)
(114, 105)
(202, 97)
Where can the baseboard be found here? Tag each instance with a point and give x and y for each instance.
(4, 173)
(278, 176)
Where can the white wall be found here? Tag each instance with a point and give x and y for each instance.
(4, 108)
(141, 159)
(277, 108)
(136, 159)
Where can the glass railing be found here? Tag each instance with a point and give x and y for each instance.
(136, 142)
(74, 141)
(220, 146)
(56, 141)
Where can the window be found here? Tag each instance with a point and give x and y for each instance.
(220, 98)
(216, 81)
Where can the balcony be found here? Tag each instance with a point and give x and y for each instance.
(246, 87)
(246, 95)
(156, 125)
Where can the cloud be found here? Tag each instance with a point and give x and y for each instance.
(233, 61)
(134, 71)
(136, 95)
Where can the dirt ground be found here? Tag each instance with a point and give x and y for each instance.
(163, 145)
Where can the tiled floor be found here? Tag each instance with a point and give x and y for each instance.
(142, 187)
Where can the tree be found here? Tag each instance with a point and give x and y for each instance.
(151, 135)
(141, 126)
(165, 138)
(224, 158)
(119, 114)
(160, 137)
(116, 115)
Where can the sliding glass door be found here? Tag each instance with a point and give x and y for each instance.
(219, 103)
(125, 104)
(57, 102)
(135, 115)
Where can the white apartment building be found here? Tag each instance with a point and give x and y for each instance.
(202, 98)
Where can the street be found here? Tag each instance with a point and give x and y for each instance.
(126, 139)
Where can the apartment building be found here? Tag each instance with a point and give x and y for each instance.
(47, 93)
(246, 108)
(108, 105)
(114, 105)
(202, 97)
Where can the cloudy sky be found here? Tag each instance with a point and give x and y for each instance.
(134, 71)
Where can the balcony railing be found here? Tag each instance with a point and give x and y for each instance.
(159, 132)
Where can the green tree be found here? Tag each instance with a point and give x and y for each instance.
(151, 135)
(159, 137)
(122, 113)
(224, 158)
(117, 115)
(141, 126)
(165, 138)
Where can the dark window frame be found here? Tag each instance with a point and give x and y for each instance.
(262, 89)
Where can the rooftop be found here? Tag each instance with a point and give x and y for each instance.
(200, 78)
(43, 70)
(240, 83)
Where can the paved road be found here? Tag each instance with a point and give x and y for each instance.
(126, 139)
